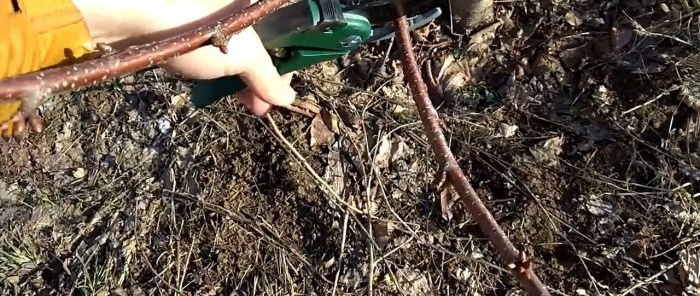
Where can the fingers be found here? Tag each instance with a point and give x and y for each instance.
(255, 104)
(35, 122)
(246, 57)
(262, 77)
(19, 128)
(287, 78)
(20, 125)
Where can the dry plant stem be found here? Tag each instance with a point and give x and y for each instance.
(43, 83)
(518, 265)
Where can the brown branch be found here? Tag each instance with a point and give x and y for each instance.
(513, 259)
(37, 85)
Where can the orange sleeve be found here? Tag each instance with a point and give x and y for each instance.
(35, 34)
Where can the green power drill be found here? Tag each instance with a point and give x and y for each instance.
(312, 31)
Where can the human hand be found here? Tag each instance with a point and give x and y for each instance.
(140, 21)
(128, 22)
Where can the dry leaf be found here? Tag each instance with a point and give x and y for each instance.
(307, 104)
(329, 263)
(184, 157)
(545, 63)
(446, 202)
(622, 37)
(330, 120)
(484, 37)
(411, 282)
(399, 149)
(421, 34)
(445, 194)
(383, 155)
(464, 275)
(397, 109)
(335, 174)
(573, 18)
(599, 207)
(572, 57)
(320, 134)
(8, 192)
(547, 153)
(380, 232)
(349, 119)
(689, 271)
(454, 82)
(449, 59)
(506, 130)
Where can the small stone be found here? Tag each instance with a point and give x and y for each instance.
(179, 100)
(164, 126)
(79, 173)
(506, 130)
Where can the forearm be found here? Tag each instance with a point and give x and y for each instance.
(162, 18)
(123, 23)
(111, 21)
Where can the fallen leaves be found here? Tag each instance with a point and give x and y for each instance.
(453, 75)
(321, 135)
(445, 195)
(390, 150)
(179, 100)
(380, 232)
(573, 18)
(547, 64)
(689, 88)
(689, 271)
(684, 279)
(336, 171)
(547, 153)
(383, 156)
(574, 57)
(506, 130)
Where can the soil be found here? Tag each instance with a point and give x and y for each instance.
(576, 122)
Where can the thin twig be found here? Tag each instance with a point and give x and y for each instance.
(342, 251)
(662, 94)
(519, 266)
(648, 280)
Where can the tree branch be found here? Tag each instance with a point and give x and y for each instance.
(513, 259)
(38, 85)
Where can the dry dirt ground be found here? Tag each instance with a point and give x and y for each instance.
(575, 120)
